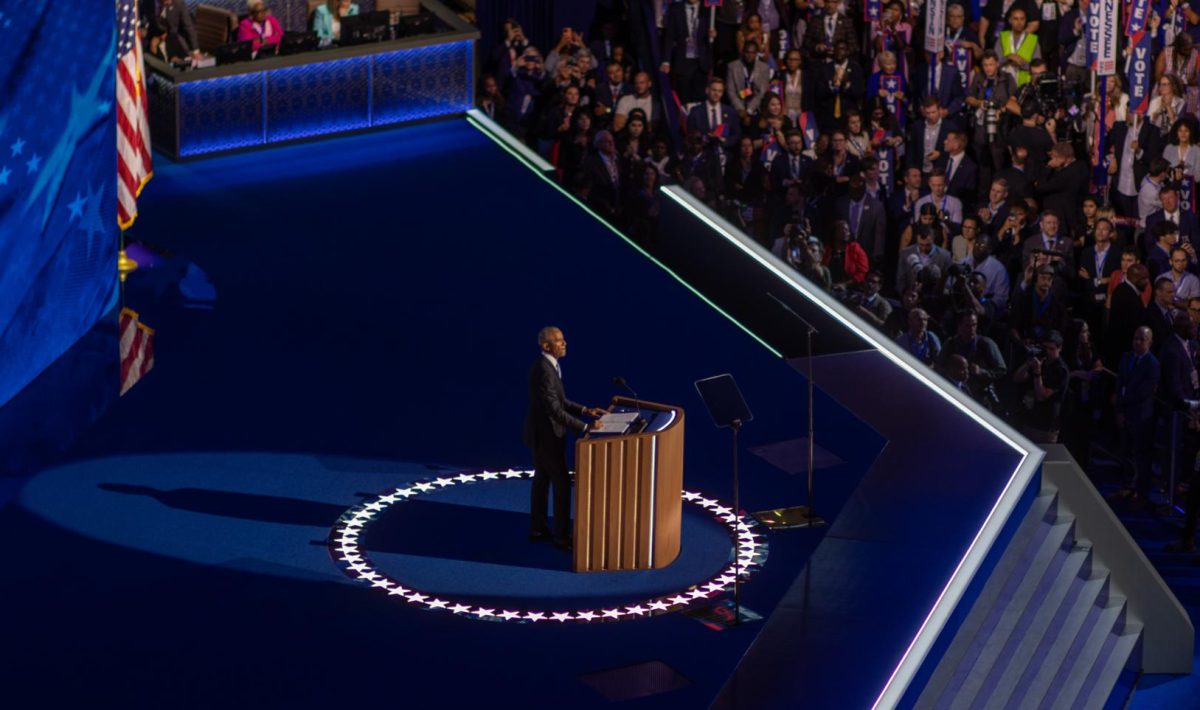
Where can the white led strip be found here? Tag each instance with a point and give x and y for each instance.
(345, 546)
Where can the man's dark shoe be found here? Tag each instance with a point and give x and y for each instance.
(540, 536)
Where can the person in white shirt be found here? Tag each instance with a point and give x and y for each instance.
(948, 206)
(1186, 283)
(640, 98)
(1148, 200)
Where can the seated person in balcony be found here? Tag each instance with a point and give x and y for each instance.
(261, 28)
(327, 19)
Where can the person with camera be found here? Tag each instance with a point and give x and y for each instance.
(996, 281)
(920, 256)
(1038, 310)
(985, 364)
(1052, 242)
(1043, 377)
(988, 94)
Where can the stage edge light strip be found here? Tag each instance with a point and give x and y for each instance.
(539, 166)
(963, 573)
(345, 547)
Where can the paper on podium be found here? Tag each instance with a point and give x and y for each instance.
(616, 422)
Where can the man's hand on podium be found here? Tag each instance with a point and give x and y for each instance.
(595, 426)
(594, 412)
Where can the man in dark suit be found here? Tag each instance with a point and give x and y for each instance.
(1137, 379)
(610, 91)
(687, 48)
(1096, 266)
(1185, 220)
(1131, 161)
(825, 31)
(1064, 188)
(1160, 314)
(174, 27)
(962, 174)
(714, 119)
(946, 85)
(865, 216)
(1126, 314)
(550, 415)
(839, 88)
(1052, 239)
(603, 173)
(926, 138)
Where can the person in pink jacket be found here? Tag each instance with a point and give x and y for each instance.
(261, 28)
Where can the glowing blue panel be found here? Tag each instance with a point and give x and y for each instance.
(221, 114)
(316, 99)
(421, 83)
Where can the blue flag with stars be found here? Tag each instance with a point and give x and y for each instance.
(58, 204)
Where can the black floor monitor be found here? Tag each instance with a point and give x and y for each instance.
(367, 27)
(298, 42)
(234, 52)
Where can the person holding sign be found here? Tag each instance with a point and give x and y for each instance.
(1018, 46)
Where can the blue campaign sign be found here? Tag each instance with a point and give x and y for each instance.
(58, 217)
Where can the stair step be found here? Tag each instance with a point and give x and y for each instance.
(1032, 685)
(1107, 671)
(1088, 645)
(1014, 600)
(1037, 624)
(1029, 536)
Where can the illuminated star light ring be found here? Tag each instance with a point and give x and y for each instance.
(345, 546)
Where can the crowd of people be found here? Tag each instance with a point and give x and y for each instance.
(1023, 230)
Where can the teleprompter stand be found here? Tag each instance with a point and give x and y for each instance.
(728, 409)
(799, 516)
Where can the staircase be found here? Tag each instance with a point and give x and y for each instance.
(1047, 631)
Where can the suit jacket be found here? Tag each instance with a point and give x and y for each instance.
(1063, 190)
(815, 34)
(735, 81)
(906, 277)
(1176, 369)
(1087, 262)
(605, 96)
(827, 94)
(698, 119)
(550, 412)
(1135, 387)
(1160, 324)
(964, 184)
(1189, 228)
(781, 171)
(1126, 315)
(1149, 146)
(177, 23)
(675, 36)
(916, 149)
(872, 224)
(950, 92)
(1062, 245)
(605, 195)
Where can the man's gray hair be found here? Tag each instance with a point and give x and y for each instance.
(546, 333)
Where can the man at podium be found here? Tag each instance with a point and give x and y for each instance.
(550, 415)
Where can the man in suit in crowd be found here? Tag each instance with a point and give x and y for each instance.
(1051, 239)
(610, 91)
(962, 174)
(1096, 265)
(603, 171)
(1137, 379)
(715, 119)
(1160, 314)
(1064, 188)
(865, 217)
(826, 31)
(746, 82)
(550, 415)
(1132, 151)
(926, 138)
(1185, 220)
(945, 85)
(1126, 314)
(994, 212)
(839, 88)
(687, 48)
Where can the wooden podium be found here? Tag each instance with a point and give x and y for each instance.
(628, 493)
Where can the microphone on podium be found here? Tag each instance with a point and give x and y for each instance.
(620, 382)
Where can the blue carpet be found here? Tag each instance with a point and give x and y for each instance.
(376, 304)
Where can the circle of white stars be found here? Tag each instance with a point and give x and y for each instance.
(345, 546)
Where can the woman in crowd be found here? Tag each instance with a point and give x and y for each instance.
(633, 142)
(793, 83)
(896, 102)
(752, 29)
(1182, 153)
(489, 100)
(1179, 59)
(745, 184)
(771, 127)
(928, 215)
(327, 19)
(858, 141)
(260, 28)
(1167, 105)
(574, 148)
(892, 36)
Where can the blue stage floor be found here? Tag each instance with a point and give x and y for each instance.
(377, 301)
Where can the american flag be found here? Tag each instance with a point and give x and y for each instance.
(137, 349)
(133, 129)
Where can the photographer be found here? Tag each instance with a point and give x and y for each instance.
(985, 364)
(917, 340)
(1037, 311)
(1046, 376)
(989, 92)
(873, 307)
